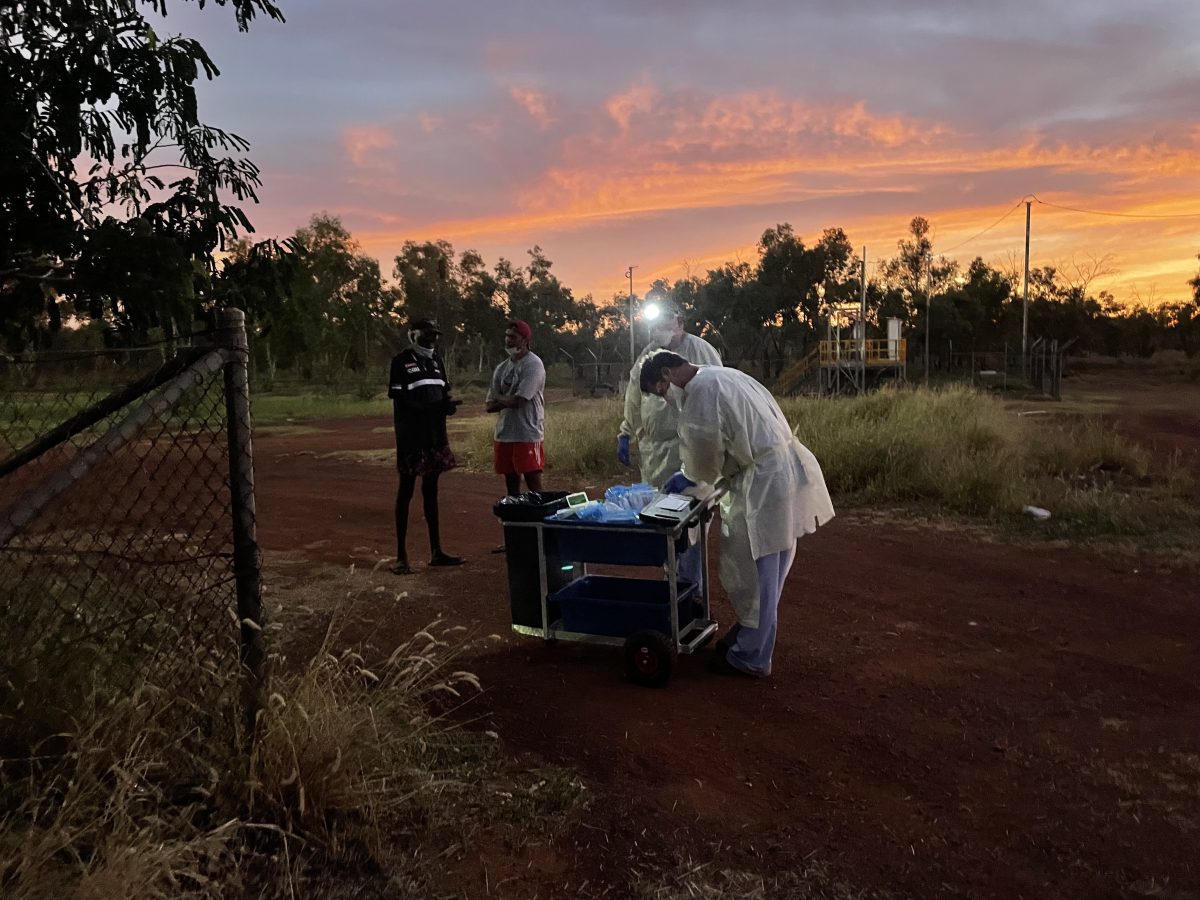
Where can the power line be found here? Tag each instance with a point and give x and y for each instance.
(986, 230)
(1096, 212)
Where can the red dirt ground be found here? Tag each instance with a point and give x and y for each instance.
(948, 716)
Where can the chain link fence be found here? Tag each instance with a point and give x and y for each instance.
(128, 556)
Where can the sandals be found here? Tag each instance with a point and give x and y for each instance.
(401, 566)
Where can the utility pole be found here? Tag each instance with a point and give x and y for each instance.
(632, 348)
(1025, 302)
(928, 297)
(862, 318)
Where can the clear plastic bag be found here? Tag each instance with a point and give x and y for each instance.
(632, 497)
(598, 511)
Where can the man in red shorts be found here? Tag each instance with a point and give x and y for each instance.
(517, 395)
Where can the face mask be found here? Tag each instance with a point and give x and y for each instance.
(661, 338)
(415, 337)
(512, 351)
(675, 395)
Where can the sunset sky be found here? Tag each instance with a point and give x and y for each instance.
(668, 134)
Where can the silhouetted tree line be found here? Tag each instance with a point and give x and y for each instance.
(320, 309)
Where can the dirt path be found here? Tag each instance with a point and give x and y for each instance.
(948, 716)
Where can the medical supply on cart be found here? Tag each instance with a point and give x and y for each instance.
(668, 509)
(621, 503)
(631, 496)
(595, 511)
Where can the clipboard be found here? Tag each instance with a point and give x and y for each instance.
(668, 509)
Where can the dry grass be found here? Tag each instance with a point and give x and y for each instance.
(692, 880)
(124, 809)
(953, 451)
(358, 780)
(343, 758)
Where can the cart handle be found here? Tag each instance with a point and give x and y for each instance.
(702, 509)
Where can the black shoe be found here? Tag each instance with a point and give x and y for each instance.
(720, 665)
(727, 640)
(401, 567)
(445, 559)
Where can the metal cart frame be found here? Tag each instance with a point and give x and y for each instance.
(694, 635)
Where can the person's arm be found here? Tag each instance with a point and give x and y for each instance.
(489, 402)
(449, 405)
(531, 382)
(701, 443)
(633, 402)
(505, 401)
(398, 386)
(396, 378)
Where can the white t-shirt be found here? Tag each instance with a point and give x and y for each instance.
(525, 377)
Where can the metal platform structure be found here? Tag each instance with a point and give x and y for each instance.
(857, 365)
(847, 362)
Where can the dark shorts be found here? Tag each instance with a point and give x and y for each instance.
(425, 462)
(517, 457)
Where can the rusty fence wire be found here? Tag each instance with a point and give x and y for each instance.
(128, 556)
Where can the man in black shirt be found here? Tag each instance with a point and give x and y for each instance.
(420, 404)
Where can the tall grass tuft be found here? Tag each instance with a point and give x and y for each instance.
(345, 754)
(951, 448)
(156, 795)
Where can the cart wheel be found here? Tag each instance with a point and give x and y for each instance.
(649, 658)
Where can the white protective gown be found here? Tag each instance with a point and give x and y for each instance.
(731, 427)
(653, 422)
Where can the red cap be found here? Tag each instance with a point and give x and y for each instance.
(521, 328)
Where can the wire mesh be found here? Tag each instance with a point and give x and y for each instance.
(120, 572)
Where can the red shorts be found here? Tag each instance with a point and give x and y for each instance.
(517, 457)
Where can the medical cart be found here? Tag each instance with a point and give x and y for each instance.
(654, 620)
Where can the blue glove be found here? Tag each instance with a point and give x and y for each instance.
(677, 483)
(623, 449)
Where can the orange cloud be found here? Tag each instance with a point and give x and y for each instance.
(697, 156)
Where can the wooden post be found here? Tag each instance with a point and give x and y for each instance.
(247, 559)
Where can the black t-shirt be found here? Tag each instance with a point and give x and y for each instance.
(419, 390)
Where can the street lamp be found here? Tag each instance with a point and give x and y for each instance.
(632, 348)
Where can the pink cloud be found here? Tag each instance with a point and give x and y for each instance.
(624, 106)
(695, 158)
(535, 103)
(362, 143)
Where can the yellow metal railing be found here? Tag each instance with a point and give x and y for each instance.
(790, 377)
(875, 351)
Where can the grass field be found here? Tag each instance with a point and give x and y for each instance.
(952, 451)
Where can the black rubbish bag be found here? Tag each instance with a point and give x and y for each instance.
(521, 553)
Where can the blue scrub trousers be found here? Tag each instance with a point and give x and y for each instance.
(751, 648)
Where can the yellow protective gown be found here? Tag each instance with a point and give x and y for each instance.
(731, 427)
(652, 421)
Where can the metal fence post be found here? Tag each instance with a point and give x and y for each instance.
(247, 559)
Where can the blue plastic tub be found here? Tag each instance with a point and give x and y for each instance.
(633, 545)
(617, 607)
